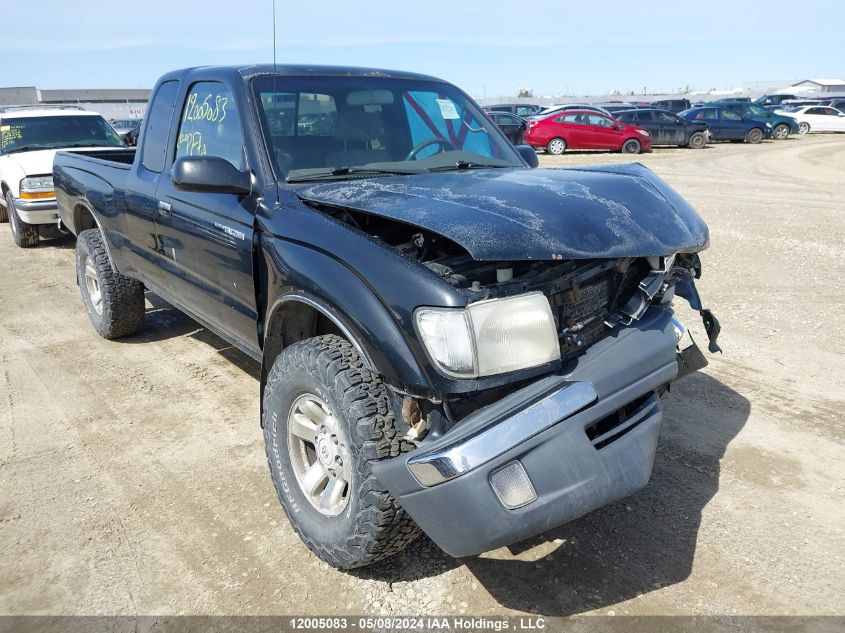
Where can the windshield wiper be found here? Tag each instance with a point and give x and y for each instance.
(24, 148)
(465, 164)
(90, 145)
(347, 171)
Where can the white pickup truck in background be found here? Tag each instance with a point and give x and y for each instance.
(29, 138)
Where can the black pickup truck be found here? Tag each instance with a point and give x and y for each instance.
(450, 340)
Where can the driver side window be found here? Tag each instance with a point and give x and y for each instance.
(599, 121)
(210, 125)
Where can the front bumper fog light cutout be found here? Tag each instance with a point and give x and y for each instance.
(512, 485)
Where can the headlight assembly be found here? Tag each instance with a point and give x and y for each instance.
(36, 183)
(490, 337)
(37, 187)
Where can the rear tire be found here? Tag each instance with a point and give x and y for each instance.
(115, 303)
(327, 420)
(781, 132)
(754, 136)
(556, 146)
(631, 146)
(803, 128)
(24, 235)
(697, 140)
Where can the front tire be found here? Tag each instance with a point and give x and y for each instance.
(754, 136)
(115, 303)
(631, 146)
(803, 127)
(698, 140)
(24, 235)
(556, 146)
(781, 132)
(326, 421)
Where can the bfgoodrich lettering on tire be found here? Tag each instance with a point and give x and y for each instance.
(115, 303)
(327, 420)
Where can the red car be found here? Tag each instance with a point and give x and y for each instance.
(585, 129)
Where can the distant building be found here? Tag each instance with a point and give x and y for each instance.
(820, 85)
(111, 103)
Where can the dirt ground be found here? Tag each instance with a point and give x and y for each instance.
(133, 477)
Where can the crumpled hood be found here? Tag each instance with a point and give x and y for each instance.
(533, 214)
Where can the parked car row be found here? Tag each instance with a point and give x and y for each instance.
(634, 128)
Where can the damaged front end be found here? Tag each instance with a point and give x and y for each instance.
(569, 353)
(499, 465)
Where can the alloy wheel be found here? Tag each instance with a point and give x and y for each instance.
(92, 284)
(318, 455)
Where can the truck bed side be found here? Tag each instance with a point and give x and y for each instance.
(93, 183)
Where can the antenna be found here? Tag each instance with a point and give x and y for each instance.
(274, 50)
(275, 98)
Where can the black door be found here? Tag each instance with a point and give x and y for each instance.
(512, 126)
(645, 120)
(207, 238)
(144, 253)
(672, 128)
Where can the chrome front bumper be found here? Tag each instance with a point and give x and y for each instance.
(461, 457)
(37, 211)
(581, 438)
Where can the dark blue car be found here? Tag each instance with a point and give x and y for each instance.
(728, 125)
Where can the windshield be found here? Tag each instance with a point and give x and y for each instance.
(124, 123)
(27, 134)
(333, 127)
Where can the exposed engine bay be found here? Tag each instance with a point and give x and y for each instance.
(588, 297)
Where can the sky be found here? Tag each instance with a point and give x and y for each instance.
(488, 48)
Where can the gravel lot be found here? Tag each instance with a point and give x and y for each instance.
(133, 477)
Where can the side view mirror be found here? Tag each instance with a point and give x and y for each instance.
(528, 155)
(209, 174)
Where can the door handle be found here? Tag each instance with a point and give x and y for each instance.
(163, 208)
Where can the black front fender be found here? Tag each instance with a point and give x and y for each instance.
(296, 273)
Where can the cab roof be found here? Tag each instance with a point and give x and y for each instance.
(26, 112)
(249, 71)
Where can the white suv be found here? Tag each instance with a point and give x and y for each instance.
(29, 138)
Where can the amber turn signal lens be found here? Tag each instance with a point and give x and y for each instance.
(37, 195)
